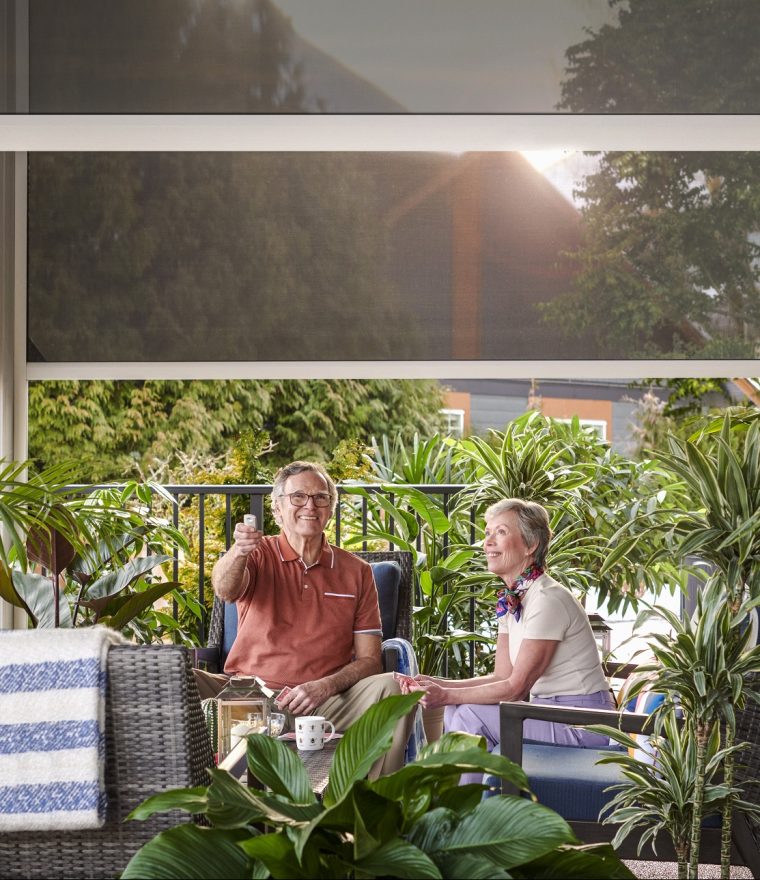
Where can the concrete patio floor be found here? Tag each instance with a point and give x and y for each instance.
(669, 870)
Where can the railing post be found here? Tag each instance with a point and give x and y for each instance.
(202, 564)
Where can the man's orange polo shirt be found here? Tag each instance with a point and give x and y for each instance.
(297, 624)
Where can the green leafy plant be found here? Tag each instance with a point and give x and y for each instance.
(590, 492)
(416, 822)
(705, 667)
(414, 520)
(708, 662)
(659, 796)
(99, 547)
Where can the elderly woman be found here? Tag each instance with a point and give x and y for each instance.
(545, 649)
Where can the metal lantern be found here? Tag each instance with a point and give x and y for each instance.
(243, 708)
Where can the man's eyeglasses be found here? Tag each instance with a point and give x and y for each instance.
(301, 499)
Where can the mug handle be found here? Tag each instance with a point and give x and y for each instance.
(332, 731)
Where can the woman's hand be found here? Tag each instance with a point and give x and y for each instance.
(428, 679)
(435, 694)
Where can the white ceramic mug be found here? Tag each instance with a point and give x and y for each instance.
(310, 732)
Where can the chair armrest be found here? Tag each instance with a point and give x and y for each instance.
(207, 659)
(512, 716)
(391, 658)
(612, 669)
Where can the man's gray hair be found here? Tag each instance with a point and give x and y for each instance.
(533, 522)
(300, 467)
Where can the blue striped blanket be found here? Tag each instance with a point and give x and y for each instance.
(408, 666)
(52, 727)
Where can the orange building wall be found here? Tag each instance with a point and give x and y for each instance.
(561, 408)
(459, 400)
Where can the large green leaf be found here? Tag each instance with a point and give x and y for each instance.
(594, 862)
(425, 506)
(86, 563)
(376, 820)
(37, 596)
(432, 827)
(188, 852)
(280, 768)
(191, 800)
(509, 831)
(98, 592)
(474, 866)
(364, 742)
(398, 858)
(136, 604)
(378, 535)
(232, 805)
(277, 852)
(441, 766)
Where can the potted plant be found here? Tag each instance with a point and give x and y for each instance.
(416, 822)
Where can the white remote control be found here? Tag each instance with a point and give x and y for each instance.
(250, 520)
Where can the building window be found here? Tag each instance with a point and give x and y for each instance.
(596, 426)
(452, 422)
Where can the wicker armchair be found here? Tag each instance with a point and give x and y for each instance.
(156, 739)
(395, 610)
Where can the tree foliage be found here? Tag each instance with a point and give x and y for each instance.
(690, 56)
(670, 258)
(117, 429)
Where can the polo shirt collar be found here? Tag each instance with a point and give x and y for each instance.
(288, 554)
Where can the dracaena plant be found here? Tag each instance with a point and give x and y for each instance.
(99, 550)
(416, 822)
(709, 661)
(658, 795)
(707, 670)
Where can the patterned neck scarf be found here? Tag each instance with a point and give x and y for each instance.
(509, 599)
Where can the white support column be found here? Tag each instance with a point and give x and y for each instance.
(13, 383)
(13, 250)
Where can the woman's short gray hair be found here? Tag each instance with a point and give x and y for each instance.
(533, 522)
(299, 467)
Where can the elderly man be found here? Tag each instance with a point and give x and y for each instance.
(308, 614)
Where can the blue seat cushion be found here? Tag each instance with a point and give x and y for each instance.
(567, 779)
(570, 782)
(387, 578)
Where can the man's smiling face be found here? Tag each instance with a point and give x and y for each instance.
(302, 522)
